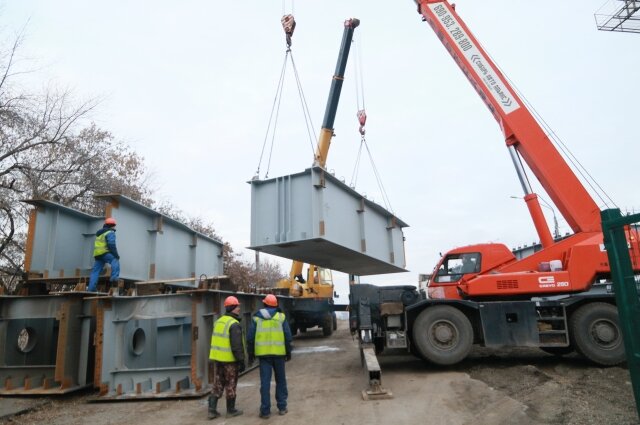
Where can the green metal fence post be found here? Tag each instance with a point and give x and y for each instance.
(625, 288)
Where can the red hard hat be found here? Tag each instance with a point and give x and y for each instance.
(270, 300)
(110, 220)
(231, 300)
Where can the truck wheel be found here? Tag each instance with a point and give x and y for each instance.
(327, 325)
(443, 335)
(557, 351)
(335, 321)
(596, 334)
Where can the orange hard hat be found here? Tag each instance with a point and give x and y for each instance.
(111, 221)
(270, 300)
(231, 300)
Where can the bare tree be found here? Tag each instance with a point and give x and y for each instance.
(48, 150)
(244, 275)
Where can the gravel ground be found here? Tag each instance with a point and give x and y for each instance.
(517, 386)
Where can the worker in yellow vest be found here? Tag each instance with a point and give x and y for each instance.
(105, 251)
(227, 353)
(269, 339)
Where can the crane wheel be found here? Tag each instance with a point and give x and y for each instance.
(596, 334)
(443, 335)
(327, 325)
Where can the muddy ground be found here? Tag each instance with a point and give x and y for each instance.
(523, 386)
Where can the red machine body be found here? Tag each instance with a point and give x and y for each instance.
(569, 265)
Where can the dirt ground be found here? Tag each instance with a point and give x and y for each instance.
(325, 379)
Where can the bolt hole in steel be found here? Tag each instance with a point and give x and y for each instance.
(26, 340)
(443, 335)
(605, 334)
(138, 341)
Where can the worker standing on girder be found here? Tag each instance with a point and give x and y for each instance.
(269, 340)
(227, 353)
(105, 251)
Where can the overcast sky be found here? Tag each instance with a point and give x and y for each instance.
(189, 86)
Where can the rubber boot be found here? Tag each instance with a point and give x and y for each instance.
(213, 408)
(231, 408)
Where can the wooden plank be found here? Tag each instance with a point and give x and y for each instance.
(98, 342)
(149, 288)
(31, 234)
(63, 316)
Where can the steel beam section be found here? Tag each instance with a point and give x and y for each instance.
(45, 344)
(315, 218)
(152, 246)
(157, 346)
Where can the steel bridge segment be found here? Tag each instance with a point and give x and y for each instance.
(157, 346)
(45, 344)
(152, 245)
(315, 218)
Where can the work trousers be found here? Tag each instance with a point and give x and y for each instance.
(275, 364)
(226, 380)
(97, 269)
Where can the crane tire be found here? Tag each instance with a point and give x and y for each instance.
(327, 325)
(596, 333)
(443, 335)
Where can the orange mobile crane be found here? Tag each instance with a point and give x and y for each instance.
(559, 299)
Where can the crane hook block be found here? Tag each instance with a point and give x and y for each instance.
(362, 119)
(288, 24)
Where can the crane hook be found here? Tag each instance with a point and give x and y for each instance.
(288, 24)
(362, 119)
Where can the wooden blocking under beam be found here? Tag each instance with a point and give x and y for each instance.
(149, 288)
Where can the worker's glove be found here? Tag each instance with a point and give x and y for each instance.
(241, 367)
(287, 357)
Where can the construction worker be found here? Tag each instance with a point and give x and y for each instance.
(105, 251)
(269, 340)
(227, 354)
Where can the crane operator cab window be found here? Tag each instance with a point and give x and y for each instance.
(320, 276)
(456, 265)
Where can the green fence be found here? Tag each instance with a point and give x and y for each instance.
(625, 287)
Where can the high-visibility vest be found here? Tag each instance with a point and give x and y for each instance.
(270, 336)
(100, 247)
(220, 340)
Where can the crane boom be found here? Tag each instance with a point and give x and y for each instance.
(326, 133)
(315, 293)
(522, 132)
